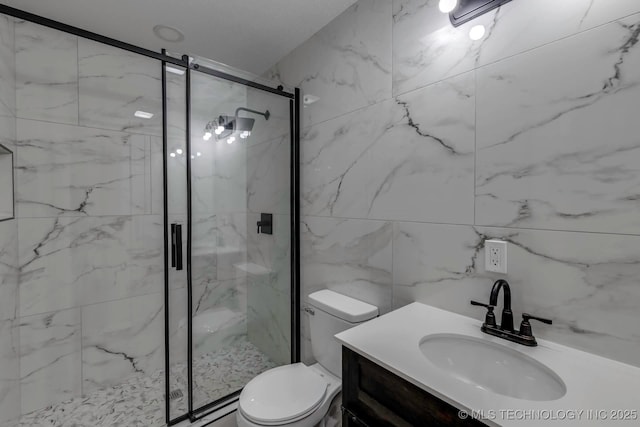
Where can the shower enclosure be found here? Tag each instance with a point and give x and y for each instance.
(229, 204)
(149, 248)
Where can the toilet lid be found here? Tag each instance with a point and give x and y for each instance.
(282, 394)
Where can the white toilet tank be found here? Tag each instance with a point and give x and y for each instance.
(332, 314)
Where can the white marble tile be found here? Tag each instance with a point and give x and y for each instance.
(72, 171)
(141, 180)
(121, 338)
(427, 48)
(409, 158)
(7, 128)
(231, 248)
(557, 135)
(9, 372)
(46, 74)
(203, 177)
(425, 163)
(7, 64)
(50, 359)
(177, 325)
(440, 265)
(269, 288)
(218, 328)
(114, 84)
(176, 106)
(8, 269)
(143, 243)
(176, 139)
(67, 262)
(230, 177)
(335, 172)
(203, 248)
(348, 256)
(269, 315)
(269, 176)
(520, 26)
(585, 282)
(7, 163)
(231, 294)
(7, 211)
(347, 64)
(156, 176)
(176, 183)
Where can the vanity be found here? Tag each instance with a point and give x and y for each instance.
(422, 366)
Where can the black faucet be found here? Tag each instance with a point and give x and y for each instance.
(505, 330)
(507, 314)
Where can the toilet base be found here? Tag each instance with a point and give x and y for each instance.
(317, 417)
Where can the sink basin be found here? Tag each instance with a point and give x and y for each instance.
(493, 367)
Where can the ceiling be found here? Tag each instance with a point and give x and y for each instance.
(248, 34)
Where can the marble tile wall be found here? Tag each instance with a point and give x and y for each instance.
(89, 216)
(9, 269)
(347, 64)
(528, 135)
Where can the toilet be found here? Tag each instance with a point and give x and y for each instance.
(298, 395)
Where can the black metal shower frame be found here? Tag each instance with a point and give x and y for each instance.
(294, 101)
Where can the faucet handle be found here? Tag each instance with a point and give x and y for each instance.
(526, 317)
(481, 304)
(525, 326)
(490, 318)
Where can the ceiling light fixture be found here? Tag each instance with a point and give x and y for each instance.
(477, 32)
(467, 10)
(143, 114)
(168, 34)
(447, 6)
(179, 151)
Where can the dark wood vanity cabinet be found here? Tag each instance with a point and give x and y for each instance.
(375, 397)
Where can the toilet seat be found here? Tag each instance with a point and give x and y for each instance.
(283, 395)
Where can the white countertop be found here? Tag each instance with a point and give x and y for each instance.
(598, 389)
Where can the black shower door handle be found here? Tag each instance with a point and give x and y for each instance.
(173, 245)
(176, 246)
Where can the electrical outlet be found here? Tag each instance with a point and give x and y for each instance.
(495, 256)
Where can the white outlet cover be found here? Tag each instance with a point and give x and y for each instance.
(495, 256)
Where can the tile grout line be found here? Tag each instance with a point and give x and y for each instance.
(475, 141)
(603, 233)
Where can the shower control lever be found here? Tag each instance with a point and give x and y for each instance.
(265, 225)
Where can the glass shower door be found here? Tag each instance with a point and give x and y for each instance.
(228, 215)
(176, 222)
(241, 270)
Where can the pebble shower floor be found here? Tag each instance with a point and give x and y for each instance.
(140, 402)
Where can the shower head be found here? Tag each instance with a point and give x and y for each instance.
(225, 126)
